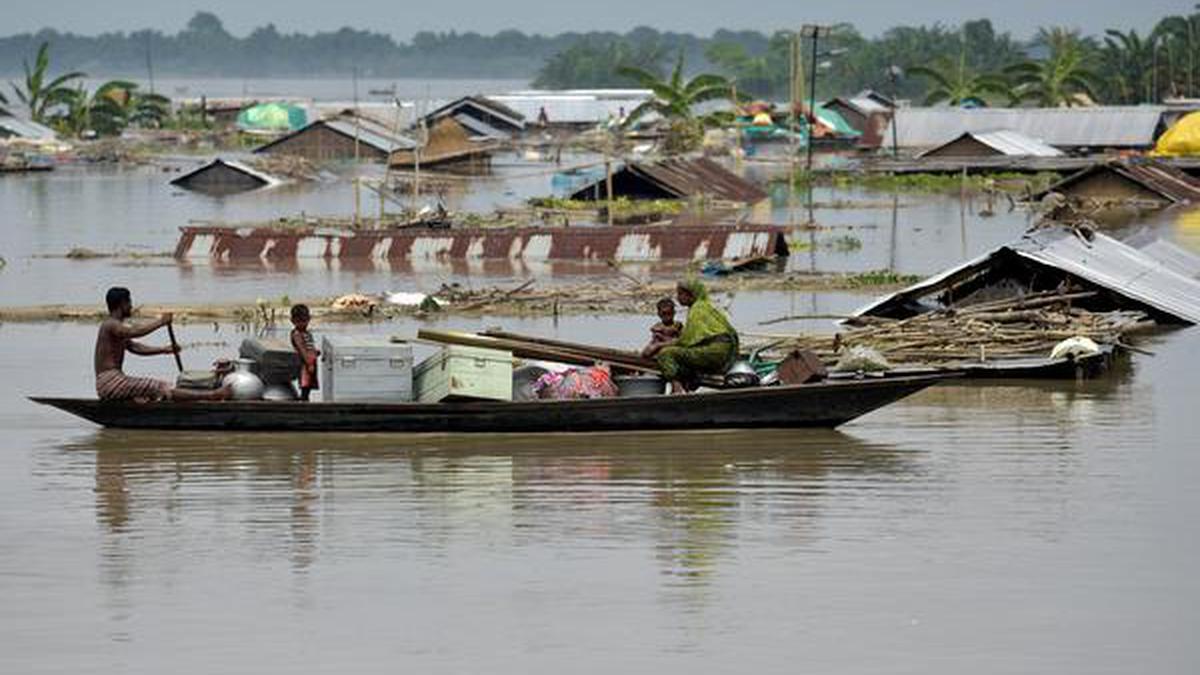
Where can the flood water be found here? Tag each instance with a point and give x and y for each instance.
(135, 210)
(1024, 527)
(1019, 527)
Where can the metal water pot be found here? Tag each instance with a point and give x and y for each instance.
(741, 374)
(245, 384)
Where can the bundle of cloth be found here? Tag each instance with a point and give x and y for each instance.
(593, 382)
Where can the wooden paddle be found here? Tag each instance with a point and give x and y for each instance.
(175, 347)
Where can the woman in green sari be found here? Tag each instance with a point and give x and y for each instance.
(707, 345)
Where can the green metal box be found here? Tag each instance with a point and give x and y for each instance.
(464, 373)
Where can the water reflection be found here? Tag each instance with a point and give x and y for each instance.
(686, 495)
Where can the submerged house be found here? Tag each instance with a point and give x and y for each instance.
(677, 178)
(1143, 181)
(994, 143)
(339, 138)
(223, 177)
(1057, 258)
(1079, 130)
(482, 118)
(859, 110)
(447, 144)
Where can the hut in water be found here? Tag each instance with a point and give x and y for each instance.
(480, 117)
(994, 143)
(339, 138)
(1146, 182)
(676, 178)
(858, 110)
(448, 146)
(223, 177)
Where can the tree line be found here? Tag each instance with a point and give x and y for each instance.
(968, 64)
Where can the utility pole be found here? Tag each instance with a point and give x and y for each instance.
(357, 177)
(149, 62)
(894, 73)
(1191, 51)
(608, 174)
(793, 127)
(814, 32)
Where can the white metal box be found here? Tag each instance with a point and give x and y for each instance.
(365, 368)
(464, 373)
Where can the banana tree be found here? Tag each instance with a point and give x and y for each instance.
(675, 98)
(955, 84)
(38, 94)
(1062, 78)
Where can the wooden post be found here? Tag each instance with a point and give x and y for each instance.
(608, 178)
(357, 205)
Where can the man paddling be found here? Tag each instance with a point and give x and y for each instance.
(117, 337)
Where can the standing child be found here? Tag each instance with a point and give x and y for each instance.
(666, 330)
(302, 342)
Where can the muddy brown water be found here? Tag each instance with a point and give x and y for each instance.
(135, 210)
(1016, 527)
(1022, 527)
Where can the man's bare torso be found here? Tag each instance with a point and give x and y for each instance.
(110, 346)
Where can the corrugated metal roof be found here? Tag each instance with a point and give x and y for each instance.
(683, 177)
(1006, 142)
(487, 105)
(1172, 184)
(23, 128)
(1100, 260)
(480, 128)
(1174, 257)
(570, 108)
(366, 134)
(267, 179)
(1100, 126)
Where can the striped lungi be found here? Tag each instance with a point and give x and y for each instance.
(113, 385)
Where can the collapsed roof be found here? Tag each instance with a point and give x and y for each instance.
(1050, 258)
(676, 178)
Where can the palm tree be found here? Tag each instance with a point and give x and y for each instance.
(674, 99)
(1129, 59)
(1062, 78)
(39, 95)
(1181, 34)
(955, 84)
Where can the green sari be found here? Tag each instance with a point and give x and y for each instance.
(707, 345)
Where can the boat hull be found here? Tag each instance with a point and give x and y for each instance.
(818, 405)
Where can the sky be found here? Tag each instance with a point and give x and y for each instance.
(401, 19)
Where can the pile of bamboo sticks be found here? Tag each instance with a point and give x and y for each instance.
(1005, 329)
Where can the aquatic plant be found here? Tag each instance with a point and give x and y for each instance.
(880, 278)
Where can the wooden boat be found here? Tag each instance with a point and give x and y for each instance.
(826, 404)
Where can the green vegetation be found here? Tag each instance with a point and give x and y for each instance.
(847, 243)
(968, 62)
(927, 182)
(74, 111)
(880, 278)
(593, 63)
(36, 92)
(674, 99)
(1060, 79)
(955, 84)
(114, 105)
(622, 207)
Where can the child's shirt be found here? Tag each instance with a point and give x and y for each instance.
(302, 342)
(661, 332)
